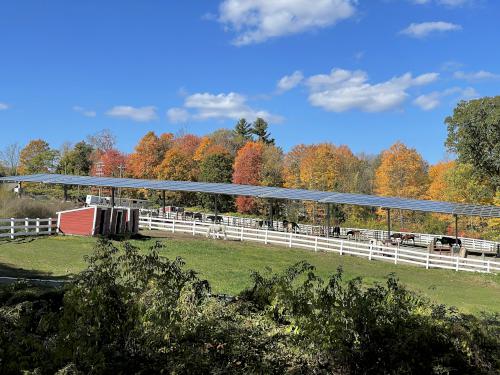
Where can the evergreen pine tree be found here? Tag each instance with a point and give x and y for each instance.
(260, 130)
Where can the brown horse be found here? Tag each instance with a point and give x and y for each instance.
(408, 237)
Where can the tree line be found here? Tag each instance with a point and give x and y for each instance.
(247, 154)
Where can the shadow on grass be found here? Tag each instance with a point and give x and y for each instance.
(10, 274)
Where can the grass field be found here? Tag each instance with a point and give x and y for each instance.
(227, 266)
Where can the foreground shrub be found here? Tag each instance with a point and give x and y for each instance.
(139, 313)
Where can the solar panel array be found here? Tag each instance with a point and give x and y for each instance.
(265, 192)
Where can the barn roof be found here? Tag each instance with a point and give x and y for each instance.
(265, 192)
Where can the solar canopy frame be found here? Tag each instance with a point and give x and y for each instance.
(265, 192)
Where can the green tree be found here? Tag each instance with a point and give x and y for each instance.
(37, 157)
(77, 160)
(243, 129)
(474, 135)
(259, 129)
(217, 168)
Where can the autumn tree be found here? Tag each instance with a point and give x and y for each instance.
(291, 166)
(272, 166)
(259, 129)
(463, 185)
(37, 157)
(77, 160)
(178, 162)
(228, 140)
(474, 135)
(248, 171)
(111, 163)
(402, 173)
(208, 147)
(320, 167)
(149, 154)
(217, 168)
(438, 181)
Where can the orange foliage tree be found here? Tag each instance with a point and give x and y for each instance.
(178, 163)
(247, 170)
(110, 163)
(438, 183)
(208, 147)
(148, 155)
(402, 173)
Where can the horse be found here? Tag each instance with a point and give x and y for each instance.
(397, 235)
(354, 233)
(290, 226)
(188, 214)
(197, 216)
(407, 238)
(216, 229)
(213, 219)
(336, 231)
(450, 241)
(266, 223)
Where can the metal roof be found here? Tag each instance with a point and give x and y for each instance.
(265, 192)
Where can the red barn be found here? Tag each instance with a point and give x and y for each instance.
(98, 221)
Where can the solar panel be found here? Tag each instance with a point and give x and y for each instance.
(265, 192)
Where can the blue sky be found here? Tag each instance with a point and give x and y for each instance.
(363, 73)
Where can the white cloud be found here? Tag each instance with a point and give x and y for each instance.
(432, 100)
(255, 21)
(289, 82)
(139, 114)
(206, 106)
(3, 106)
(480, 75)
(421, 30)
(343, 90)
(176, 115)
(85, 112)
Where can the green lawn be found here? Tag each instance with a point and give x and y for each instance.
(227, 265)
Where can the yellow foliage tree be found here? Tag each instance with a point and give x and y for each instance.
(402, 173)
(438, 182)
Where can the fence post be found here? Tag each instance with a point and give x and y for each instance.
(12, 230)
(427, 261)
(371, 251)
(37, 225)
(26, 224)
(456, 265)
(488, 266)
(49, 224)
(265, 238)
(341, 246)
(290, 240)
(396, 256)
(241, 234)
(150, 221)
(316, 244)
(194, 226)
(173, 226)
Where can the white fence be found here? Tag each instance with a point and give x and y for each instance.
(422, 239)
(12, 228)
(371, 250)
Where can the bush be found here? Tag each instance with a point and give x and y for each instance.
(12, 206)
(138, 313)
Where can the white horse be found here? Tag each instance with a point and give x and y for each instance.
(216, 229)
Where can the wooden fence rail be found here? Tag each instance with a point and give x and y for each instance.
(12, 228)
(370, 250)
